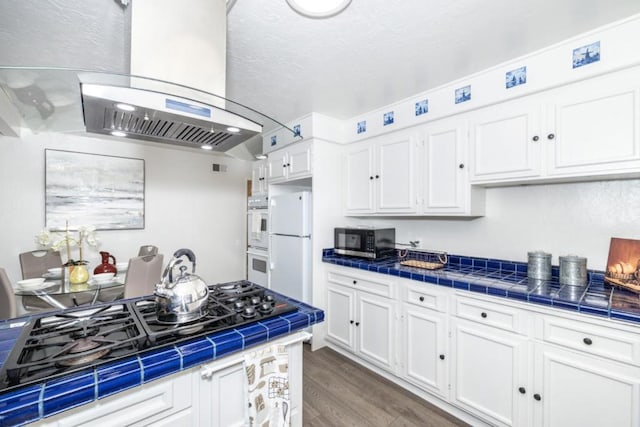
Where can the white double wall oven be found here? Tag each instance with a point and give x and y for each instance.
(258, 240)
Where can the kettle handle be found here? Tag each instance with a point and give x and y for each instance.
(189, 254)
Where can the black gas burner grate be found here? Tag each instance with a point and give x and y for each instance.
(58, 344)
(230, 305)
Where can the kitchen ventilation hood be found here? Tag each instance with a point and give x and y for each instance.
(78, 101)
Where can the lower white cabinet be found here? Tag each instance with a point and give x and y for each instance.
(425, 352)
(489, 368)
(502, 362)
(360, 318)
(211, 395)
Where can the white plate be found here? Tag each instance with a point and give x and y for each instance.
(52, 275)
(40, 286)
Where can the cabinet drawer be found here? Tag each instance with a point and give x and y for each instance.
(598, 340)
(491, 314)
(425, 296)
(363, 282)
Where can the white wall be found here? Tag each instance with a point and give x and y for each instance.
(577, 218)
(186, 204)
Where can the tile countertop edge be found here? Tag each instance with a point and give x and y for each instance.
(503, 278)
(34, 402)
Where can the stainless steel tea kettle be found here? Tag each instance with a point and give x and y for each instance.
(184, 298)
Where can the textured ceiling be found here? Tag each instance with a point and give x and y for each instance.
(374, 53)
(380, 51)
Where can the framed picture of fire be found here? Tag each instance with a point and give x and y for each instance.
(106, 192)
(623, 264)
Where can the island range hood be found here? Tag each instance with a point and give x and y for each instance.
(165, 97)
(159, 117)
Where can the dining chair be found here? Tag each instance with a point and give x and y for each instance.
(143, 274)
(36, 263)
(8, 308)
(148, 250)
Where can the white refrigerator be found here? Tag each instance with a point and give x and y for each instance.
(290, 245)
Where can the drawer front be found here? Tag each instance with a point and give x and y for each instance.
(490, 314)
(598, 340)
(364, 283)
(425, 296)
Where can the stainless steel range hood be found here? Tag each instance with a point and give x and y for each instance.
(158, 117)
(80, 101)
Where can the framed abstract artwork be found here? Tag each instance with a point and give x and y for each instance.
(106, 192)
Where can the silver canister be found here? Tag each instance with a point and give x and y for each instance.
(573, 270)
(539, 265)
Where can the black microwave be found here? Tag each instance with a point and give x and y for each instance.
(371, 243)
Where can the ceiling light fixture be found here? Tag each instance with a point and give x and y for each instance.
(206, 147)
(233, 129)
(118, 133)
(318, 8)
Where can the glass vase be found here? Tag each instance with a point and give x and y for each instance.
(79, 274)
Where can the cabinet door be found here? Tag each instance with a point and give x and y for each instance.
(394, 177)
(374, 326)
(299, 161)
(277, 166)
(359, 177)
(425, 353)
(506, 142)
(572, 389)
(595, 126)
(489, 368)
(223, 397)
(258, 179)
(445, 179)
(341, 317)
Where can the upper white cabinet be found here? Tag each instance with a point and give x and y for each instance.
(595, 126)
(586, 129)
(505, 141)
(259, 178)
(380, 175)
(445, 172)
(290, 163)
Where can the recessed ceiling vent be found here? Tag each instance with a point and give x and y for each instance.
(152, 116)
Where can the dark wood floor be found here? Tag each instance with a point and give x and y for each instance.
(339, 392)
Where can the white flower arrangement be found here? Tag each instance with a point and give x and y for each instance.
(58, 240)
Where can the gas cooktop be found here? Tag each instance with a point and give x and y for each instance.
(61, 343)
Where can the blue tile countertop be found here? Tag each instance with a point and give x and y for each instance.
(33, 402)
(508, 279)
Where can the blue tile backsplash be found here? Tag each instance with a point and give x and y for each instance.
(508, 279)
(31, 403)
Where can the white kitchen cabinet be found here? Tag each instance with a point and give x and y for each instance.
(572, 389)
(259, 177)
(595, 126)
(290, 163)
(379, 175)
(222, 397)
(360, 319)
(359, 179)
(424, 344)
(425, 353)
(445, 171)
(582, 130)
(488, 370)
(506, 142)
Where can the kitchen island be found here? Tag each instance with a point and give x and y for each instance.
(197, 379)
